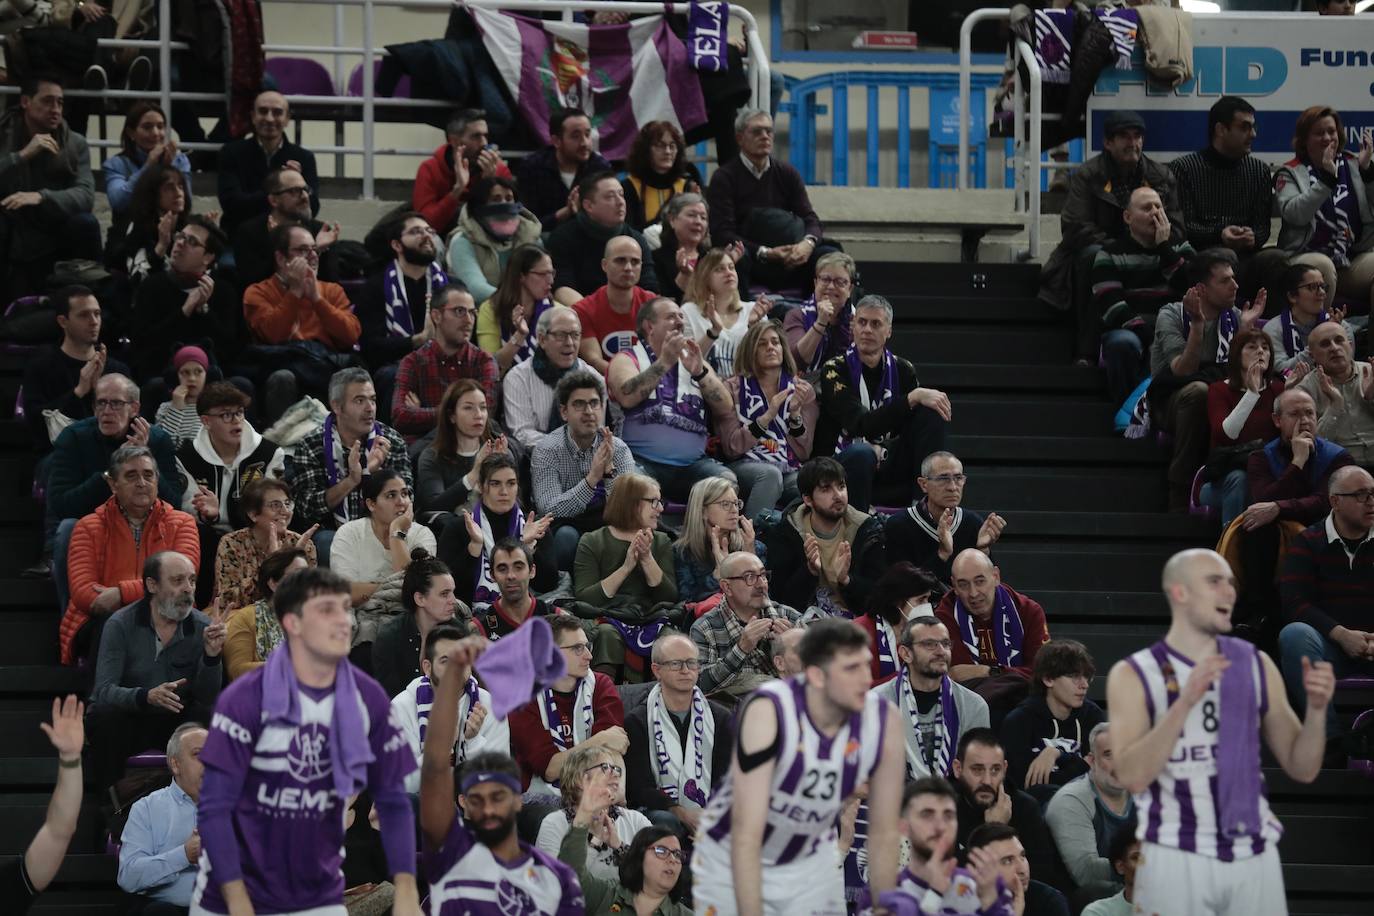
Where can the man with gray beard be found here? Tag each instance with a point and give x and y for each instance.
(144, 688)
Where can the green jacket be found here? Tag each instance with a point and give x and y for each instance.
(602, 896)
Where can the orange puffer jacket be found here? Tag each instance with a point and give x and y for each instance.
(102, 555)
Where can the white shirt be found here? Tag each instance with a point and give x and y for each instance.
(754, 170)
(600, 862)
(357, 555)
(493, 735)
(722, 355)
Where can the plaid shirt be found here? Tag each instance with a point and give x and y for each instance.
(428, 372)
(717, 634)
(559, 469)
(305, 471)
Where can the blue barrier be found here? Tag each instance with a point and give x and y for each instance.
(803, 108)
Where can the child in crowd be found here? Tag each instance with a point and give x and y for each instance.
(179, 416)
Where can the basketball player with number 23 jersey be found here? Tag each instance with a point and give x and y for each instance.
(1186, 716)
(767, 840)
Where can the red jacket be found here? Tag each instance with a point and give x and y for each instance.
(531, 741)
(869, 622)
(1034, 631)
(102, 555)
(432, 195)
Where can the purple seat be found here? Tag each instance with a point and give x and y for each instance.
(147, 760)
(1195, 505)
(1361, 765)
(1355, 683)
(355, 81)
(299, 76)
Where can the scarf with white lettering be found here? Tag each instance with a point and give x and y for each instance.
(839, 333)
(336, 456)
(856, 376)
(424, 702)
(1292, 337)
(675, 401)
(946, 730)
(486, 590)
(1227, 325)
(1337, 222)
(1007, 634)
(773, 447)
(708, 27)
(887, 646)
(399, 320)
(582, 716)
(686, 779)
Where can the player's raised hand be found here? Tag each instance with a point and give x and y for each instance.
(1206, 673)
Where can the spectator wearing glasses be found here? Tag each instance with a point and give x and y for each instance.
(266, 504)
(713, 527)
(289, 202)
(1046, 737)
(684, 241)
(575, 244)
(368, 550)
(657, 171)
(736, 637)
(302, 323)
(820, 329)
(594, 768)
(1343, 390)
(626, 567)
(1328, 576)
(762, 203)
(225, 456)
(244, 164)
(512, 309)
(650, 868)
(529, 391)
(446, 180)
(608, 315)
(935, 528)
(447, 357)
(680, 742)
(576, 466)
(1304, 294)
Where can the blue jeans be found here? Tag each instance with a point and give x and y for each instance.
(1300, 640)
(676, 481)
(1230, 496)
(1123, 358)
(563, 547)
(763, 484)
(59, 562)
(324, 539)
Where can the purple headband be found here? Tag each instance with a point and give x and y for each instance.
(505, 779)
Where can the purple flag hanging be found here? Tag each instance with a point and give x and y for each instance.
(708, 28)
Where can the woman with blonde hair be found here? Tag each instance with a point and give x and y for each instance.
(714, 312)
(769, 433)
(584, 764)
(712, 529)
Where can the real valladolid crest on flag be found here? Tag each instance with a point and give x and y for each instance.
(622, 76)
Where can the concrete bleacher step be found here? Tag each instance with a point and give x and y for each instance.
(959, 377)
(1103, 606)
(942, 343)
(26, 594)
(28, 637)
(1086, 450)
(929, 278)
(1122, 525)
(23, 813)
(1071, 563)
(1000, 314)
(1031, 414)
(19, 549)
(1019, 487)
(1108, 643)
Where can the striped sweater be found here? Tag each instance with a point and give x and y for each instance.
(1132, 282)
(1325, 585)
(1217, 192)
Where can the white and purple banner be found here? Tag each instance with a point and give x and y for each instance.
(622, 76)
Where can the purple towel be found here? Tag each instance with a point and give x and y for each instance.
(1238, 752)
(349, 750)
(520, 665)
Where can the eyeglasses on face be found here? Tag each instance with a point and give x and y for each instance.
(294, 192)
(585, 405)
(111, 404)
(304, 251)
(578, 648)
(190, 241)
(959, 479)
(681, 664)
(654, 501)
(459, 310)
(1363, 496)
(228, 416)
(838, 282)
(280, 505)
(1316, 287)
(665, 147)
(930, 645)
(751, 578)
(736, 504)
(607, 769)
(564, 336)
(667, 852)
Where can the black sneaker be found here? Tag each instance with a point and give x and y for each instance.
(40, 570)
(140, 74)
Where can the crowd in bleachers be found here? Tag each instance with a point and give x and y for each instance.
(660, 415)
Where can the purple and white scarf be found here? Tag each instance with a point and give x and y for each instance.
(1293, 342)
(856, 376)
(399, 321)
(708, 27)
(686, 779)
(639, 637)
(1007, 634)
(527, 348)
(486, 591)
(424, 702)
(887, 647)
(1053, 45)
(1228, 323)
(773, 447)
(1124, 27)
(675, 401)
(947, 730)
(335, 454)
(838, 332)
(1337, 222)
(582, 720)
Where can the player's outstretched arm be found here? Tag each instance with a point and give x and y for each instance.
(884, 803)
(1141, 751)
(1298, 746)
(437, 809)
(751, 777)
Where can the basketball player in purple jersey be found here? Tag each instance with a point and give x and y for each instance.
(289, 744)
(1187, 715)
(767, 840)
(481, 868)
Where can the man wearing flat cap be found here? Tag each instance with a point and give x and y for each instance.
(1099, 192)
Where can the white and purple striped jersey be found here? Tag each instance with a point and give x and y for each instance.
(467, 880)
(812, 776)
(1180, 809)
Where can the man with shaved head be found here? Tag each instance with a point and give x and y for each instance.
(1187, 716)
(785, 657)
(1326, 588)
(995, 633)
(735, 637)
(608, 314)
(679, 741)
(1343, 390)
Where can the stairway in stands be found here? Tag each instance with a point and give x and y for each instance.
(1086, 537)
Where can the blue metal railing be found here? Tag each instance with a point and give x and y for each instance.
(804, 108)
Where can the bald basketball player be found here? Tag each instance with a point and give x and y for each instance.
(1187, 715)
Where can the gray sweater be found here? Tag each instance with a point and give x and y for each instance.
(1082, 828)
(132, 660)
(1171, 336)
